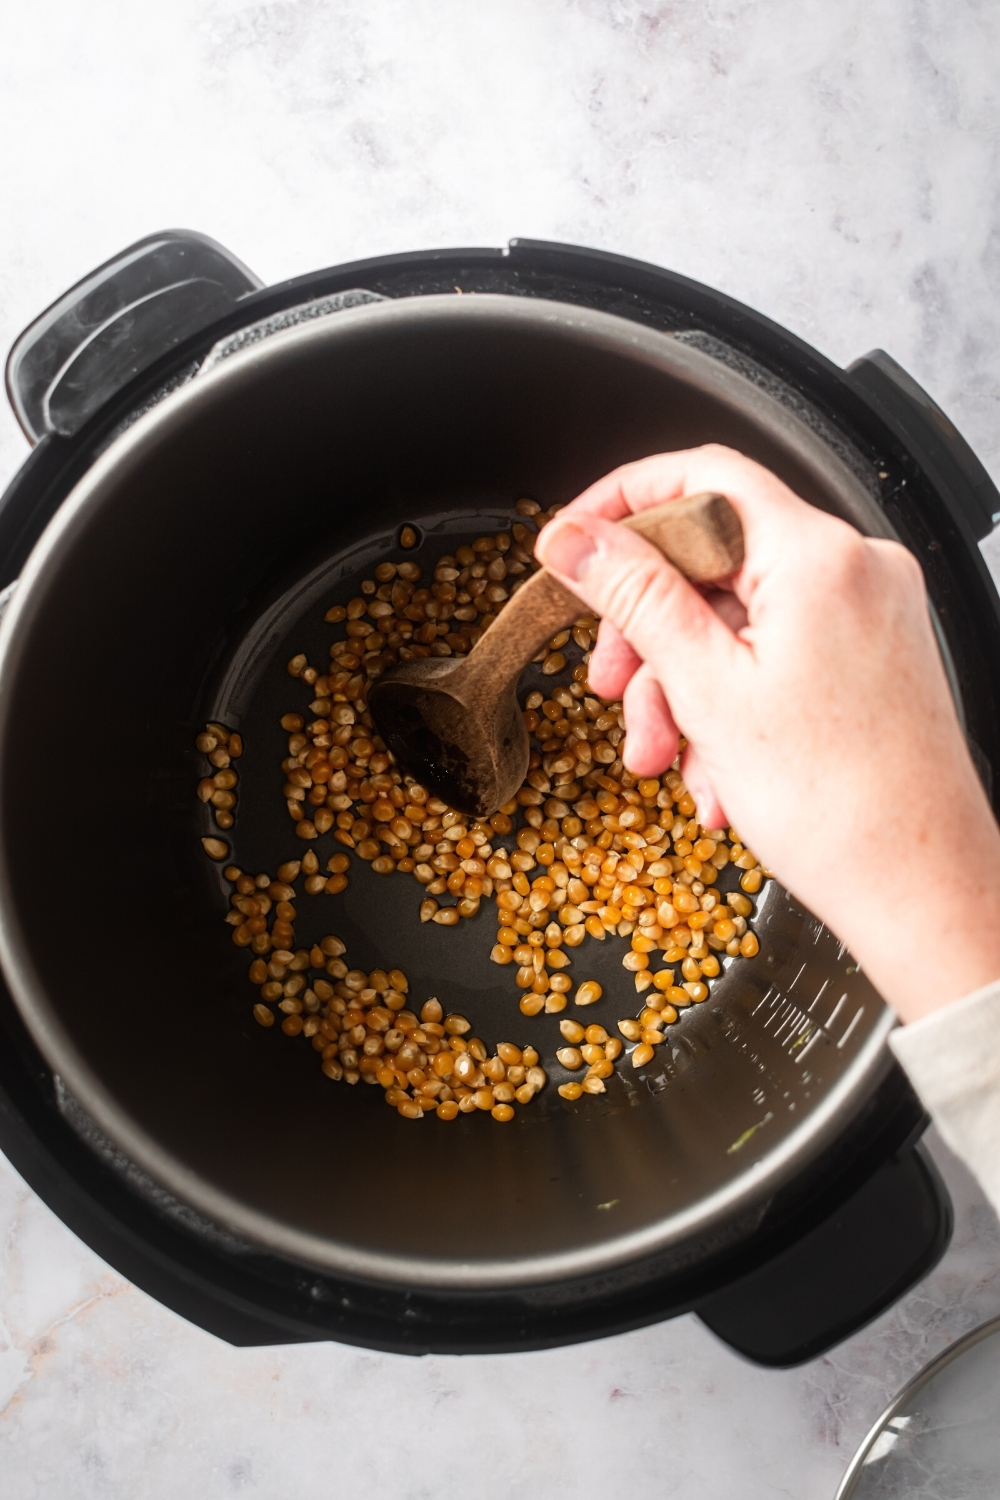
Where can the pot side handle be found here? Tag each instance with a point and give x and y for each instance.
(115, 322)
(841, 1273)
(931, 438)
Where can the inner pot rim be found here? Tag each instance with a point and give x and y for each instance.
(596, 329)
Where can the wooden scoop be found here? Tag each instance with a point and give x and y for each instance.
(455, 724)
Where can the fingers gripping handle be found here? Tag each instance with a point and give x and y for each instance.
(701, 535)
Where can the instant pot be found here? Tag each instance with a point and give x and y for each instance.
(211, 459)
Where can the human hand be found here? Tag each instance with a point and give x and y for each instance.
(818, 716)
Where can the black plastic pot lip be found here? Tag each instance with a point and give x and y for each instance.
(822, 1124)
(772, 348)
(644, 293)
(749, 330)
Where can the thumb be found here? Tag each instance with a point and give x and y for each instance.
(626, 579)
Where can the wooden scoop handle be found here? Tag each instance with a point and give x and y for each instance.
(701, 535)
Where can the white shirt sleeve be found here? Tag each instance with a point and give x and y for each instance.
(952, 1058)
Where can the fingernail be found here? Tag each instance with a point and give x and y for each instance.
(569, 551)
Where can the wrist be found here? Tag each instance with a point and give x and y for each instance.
(920, 967)
(920, 908)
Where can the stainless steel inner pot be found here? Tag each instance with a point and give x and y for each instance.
(190, 561)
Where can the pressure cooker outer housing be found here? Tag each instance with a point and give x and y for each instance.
(932, 493)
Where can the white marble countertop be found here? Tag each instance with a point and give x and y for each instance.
(834, 166)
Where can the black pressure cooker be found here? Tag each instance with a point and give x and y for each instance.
(212, 461)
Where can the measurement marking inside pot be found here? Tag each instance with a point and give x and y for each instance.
(793, 1019)
(819, 1032)
(761, 1003)
(836, 1011)
(818, 996)
(778, 1009)
(847, 1033)
(800, 1039)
